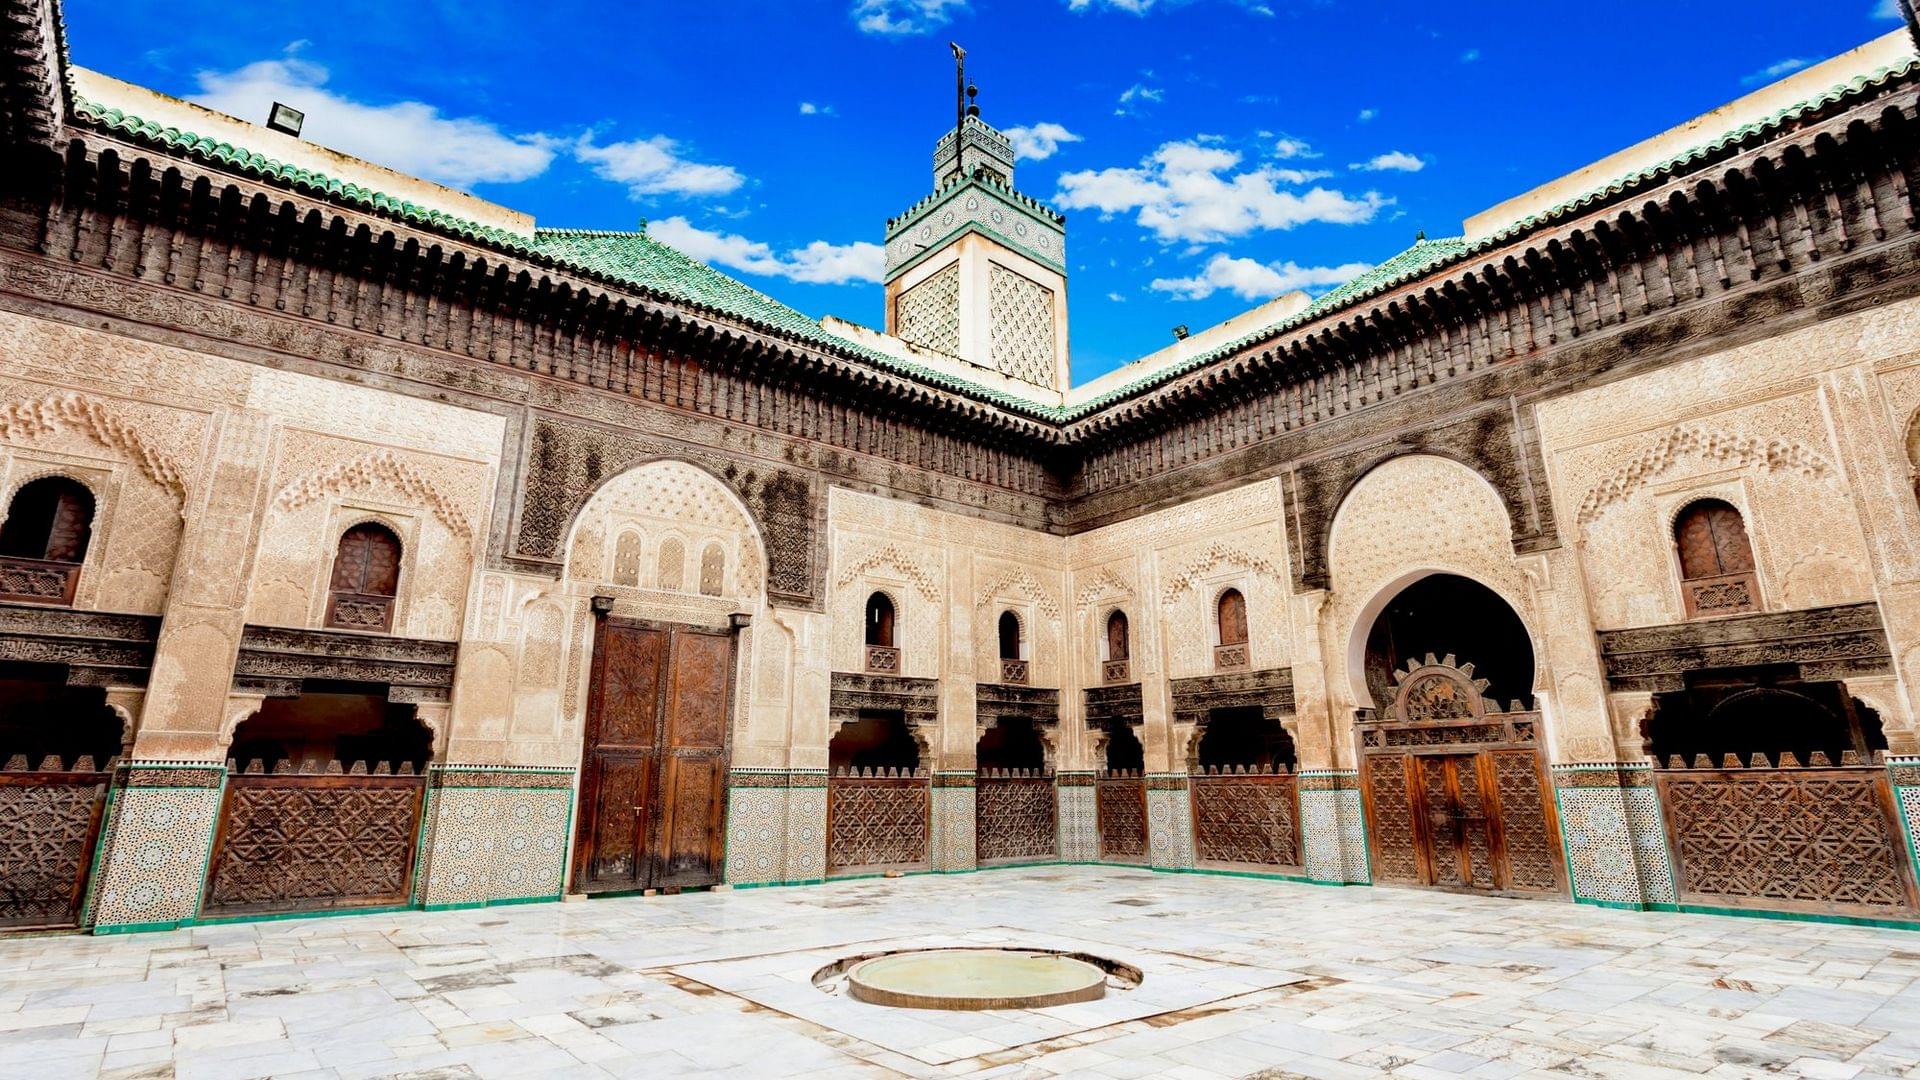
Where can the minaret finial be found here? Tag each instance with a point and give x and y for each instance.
(959, 85)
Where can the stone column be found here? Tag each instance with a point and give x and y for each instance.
(950, 840)
(160, 824)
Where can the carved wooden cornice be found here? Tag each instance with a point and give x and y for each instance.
(1270, 690)
(276, 661)
(98, 648)
(1825, 643)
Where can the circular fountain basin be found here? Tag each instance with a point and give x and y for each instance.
(975, 979)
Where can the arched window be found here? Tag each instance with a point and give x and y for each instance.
(1013, 664)
(1716, 560)
(1232, 651)
(882, 655)
(366, 578)
(626, 559)
(1114, 667)
(713, 570)
(1009, 636)
(673, 564)
(44, 540)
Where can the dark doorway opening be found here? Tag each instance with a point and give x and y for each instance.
(1447, 613)
(1124, 751)
(1011, 743)
(1760, 711)
(876, 740)
(334, 721)
(1245, 737)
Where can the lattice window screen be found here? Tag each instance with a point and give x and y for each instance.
(928, 314)
(1021, 313)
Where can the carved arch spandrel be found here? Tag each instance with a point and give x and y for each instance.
(1695, 440)
(1499, 442)
(366, 470)
(59, 412)
(567, 464)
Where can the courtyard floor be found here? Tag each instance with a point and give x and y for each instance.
(1242, 978)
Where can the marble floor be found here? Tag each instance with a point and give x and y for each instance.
(1242, 978)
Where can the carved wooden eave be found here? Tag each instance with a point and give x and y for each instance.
(1841, 642)
(277, 661)
(33, 94)
(1270, 690)
(98, 648)
(1813, 170)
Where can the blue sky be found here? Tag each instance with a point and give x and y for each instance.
(1206, 152)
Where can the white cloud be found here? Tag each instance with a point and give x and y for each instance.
(1366, 115)
(818, 263)
(1038, 142)
(1887, 9)
(1470, 56)
(1775, 70)
(1186, 192)
(1132, 96)
(1391, 161)
(808, 108)
(1116, 298)
(408, 136)
(1300, 176)
(1289, 148)
(899, 18)
(1250, 279)
(654, 167)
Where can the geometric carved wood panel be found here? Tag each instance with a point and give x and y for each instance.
(52, 820)
(877, 822)
(1120, 808)
(1822, 839)
(1246, 818)
(303, 842)
(1013, 817)
(1396, 856)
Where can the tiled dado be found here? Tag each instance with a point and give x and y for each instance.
(493, 834)
(1904, 774)
(953, 822)
(151, 863)
(1076, 815)
(1169, 821)
(1610, 826)
(776, 827)
(1333, 827)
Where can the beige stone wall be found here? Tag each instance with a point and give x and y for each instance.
(221, 490)
(1806, 432)
(1166, 570)
(949, 577)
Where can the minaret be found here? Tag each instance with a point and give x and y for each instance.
(977, 270)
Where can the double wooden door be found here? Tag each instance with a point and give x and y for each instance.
(1474, 820)
(1459, 832)
(653, 796)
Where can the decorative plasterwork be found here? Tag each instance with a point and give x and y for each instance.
(1101, 583)
(1217, 554)
(1693, 440)
(362, 472)
(892, 555)
(1022, 580)
(55, 412)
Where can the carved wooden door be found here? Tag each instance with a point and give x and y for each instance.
(1459, 825)
(654, 791)
(687, 842)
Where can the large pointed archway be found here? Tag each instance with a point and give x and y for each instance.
(1451, 750)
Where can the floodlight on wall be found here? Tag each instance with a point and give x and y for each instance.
(286, 118)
